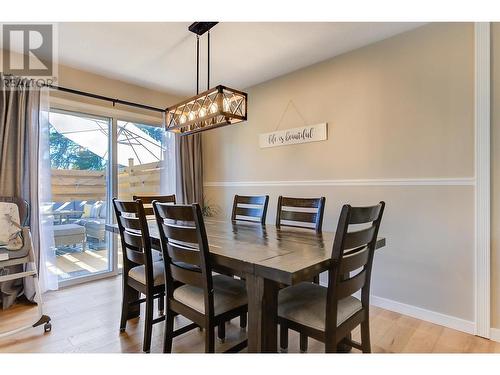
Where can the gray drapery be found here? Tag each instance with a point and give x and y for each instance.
(19, 126)
(189, 169)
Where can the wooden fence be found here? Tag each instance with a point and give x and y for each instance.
(91, 185)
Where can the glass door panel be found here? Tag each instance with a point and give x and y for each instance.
(79, 149)
(140, 155)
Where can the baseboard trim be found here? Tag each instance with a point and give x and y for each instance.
(459, 181)
(423, 314)
(495, 334)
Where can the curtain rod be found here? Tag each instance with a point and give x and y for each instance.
(106, 98)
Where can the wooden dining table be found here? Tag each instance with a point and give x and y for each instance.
(266, 257)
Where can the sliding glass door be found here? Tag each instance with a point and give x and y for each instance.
(79, 154)
(94, 159)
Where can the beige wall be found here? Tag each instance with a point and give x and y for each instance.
(495, 176)
(97, 84)
(399, 109)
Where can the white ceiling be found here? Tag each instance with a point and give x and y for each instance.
(162, 55)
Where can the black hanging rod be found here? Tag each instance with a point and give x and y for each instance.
(106, 98)
(200, 28)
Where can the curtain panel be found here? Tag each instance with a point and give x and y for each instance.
(189, 169)
(20, 155)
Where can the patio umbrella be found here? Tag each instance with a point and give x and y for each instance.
(92, 134)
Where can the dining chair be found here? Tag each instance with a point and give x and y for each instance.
(250, 208)
(300, 212)
(147, 202)
(304, 213)
(191, 289)
(330, 314)
(142, 274)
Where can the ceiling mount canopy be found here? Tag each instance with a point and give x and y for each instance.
(218, 106)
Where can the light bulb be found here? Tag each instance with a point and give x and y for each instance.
(182, 119)
(213, 108)
(202, 112)
(226, 105)
(191, 116)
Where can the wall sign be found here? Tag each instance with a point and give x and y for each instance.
(306, 134)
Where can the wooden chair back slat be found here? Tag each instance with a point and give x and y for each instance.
(148, 211)
(305, 217)
(135, 256)
(241, 211)
(288, 215)
(176, 213)
(149, 199)
(364, 214)
(301, 202)
(126, 206)
(186, 276)
(130, 222)
(354, 260)
(179, 253)
(180, 233)
(253, 199)
(133, 240)
(347, 287)
(359, 238)
(247, 211)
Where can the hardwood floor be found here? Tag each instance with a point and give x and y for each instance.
(85, 318)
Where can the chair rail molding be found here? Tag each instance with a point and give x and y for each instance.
(482, 97)
(451, 181)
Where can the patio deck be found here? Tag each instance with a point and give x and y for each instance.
(75, 264)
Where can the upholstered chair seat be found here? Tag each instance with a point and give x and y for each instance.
(138, 273)
(305, 303)
(229, 293)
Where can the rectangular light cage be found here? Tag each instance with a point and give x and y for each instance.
(214, 108)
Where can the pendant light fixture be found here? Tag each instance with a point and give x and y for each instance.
(218, 106)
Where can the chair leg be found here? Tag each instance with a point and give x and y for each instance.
(209, 339)
(161, 305)
(283, 338)
(331, 344)
(243, 320)
(148, 324)
(365, 336)
(129, 294)
(303, 343)
(169, 332)
(221, 332)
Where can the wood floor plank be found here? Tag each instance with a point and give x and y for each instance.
(86, 318)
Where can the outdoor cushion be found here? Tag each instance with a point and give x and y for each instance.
(96, 208)
(102, 211)
(86, 210)
(229, 293)
(91, 221)
(305, 303)
(68, 230)
(10, 230)
(138, 273)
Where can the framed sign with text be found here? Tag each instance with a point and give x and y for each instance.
(306, 134)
